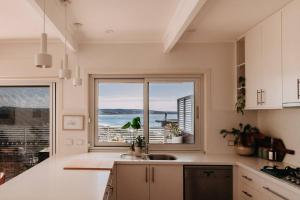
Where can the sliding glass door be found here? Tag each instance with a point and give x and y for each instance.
(26, 126)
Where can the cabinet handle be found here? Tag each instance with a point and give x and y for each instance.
(247, 194)
(152, 174)
(275, 193)
(298, 92)
(146, 174)
(262, 96)
(257, 97)
(247, 178)
(109, 192)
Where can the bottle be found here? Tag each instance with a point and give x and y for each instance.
(271, 151)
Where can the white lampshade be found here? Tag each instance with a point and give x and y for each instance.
(77, 81)
(43, 59)
(64, 72)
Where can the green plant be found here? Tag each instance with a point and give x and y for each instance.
(244, 135)
(140, 141)
(174, 129)
(241, 96)
(134, 124)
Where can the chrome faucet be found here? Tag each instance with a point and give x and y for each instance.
(146, 148)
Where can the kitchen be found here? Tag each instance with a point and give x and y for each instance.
(123, 58)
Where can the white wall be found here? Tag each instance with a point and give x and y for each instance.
(215, 60)
(283, 124)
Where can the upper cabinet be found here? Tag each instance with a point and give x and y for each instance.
(291, 54)
(264, 65)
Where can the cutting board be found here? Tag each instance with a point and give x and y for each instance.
(89, 164)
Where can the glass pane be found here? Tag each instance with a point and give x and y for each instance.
(118, 104)
(171, 112)
(24, 128)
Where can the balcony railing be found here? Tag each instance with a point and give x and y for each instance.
(117, 134)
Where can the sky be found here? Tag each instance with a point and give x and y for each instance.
(24, 97)
(162, 96)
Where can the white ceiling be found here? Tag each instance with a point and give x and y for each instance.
(139, 20)
(130, 20)
(226, 20)
(18, 20)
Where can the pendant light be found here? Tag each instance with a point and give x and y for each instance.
(64, 71)
(77, 81)
(43, 59)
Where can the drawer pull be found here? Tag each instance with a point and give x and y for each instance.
(146, 175)
(247, 178)
(247, 194)
(298, 91)
(275, 193)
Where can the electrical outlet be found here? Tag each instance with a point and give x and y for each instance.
(69, 142)
(79, 142)
(230, 143)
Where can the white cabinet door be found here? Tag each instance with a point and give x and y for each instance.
(253, 65)
(132, 182)
(166, 182)
(271, 70)
(264, 65)
(291, 53)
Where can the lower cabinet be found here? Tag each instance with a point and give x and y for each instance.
(149, 182)
(254, 187)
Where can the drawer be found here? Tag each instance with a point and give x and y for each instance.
(276, 192)
(249, 178)
(248, 193)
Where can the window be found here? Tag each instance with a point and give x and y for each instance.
(171, 112)
(25, 127)
(168, 109)
(118, 103)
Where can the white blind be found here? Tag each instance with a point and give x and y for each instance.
(186, 113)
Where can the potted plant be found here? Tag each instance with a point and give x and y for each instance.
(139, 145)
(241, 96)
(244, 138)
(134, 125)
(175, 131)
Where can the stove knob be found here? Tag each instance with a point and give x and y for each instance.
(298, 181)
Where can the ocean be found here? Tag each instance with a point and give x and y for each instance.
(121, 119)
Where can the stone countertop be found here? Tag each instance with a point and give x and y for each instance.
(49, 181)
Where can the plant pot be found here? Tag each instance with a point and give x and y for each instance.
(177, 140)
(138, 151)
(244, 151)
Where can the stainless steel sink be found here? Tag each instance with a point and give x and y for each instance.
(160, 157)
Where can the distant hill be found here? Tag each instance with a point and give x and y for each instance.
(131, 111)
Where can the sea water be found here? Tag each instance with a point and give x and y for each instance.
(121, 119)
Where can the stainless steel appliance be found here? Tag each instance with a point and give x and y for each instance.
(208, 182)
(289, 174)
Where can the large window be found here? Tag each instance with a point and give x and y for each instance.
(25, 126)
(168, 109)
(118, 102)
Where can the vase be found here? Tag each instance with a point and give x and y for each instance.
(244, 151)
(176, 140)
(138, 151)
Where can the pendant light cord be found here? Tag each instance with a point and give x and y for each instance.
(65, 27)
(44, 16)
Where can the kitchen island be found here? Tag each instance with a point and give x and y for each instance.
(49, 180)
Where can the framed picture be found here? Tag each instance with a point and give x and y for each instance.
(73, 122)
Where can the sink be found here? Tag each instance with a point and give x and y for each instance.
(160, 157)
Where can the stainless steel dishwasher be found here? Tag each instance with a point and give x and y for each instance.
(208, 182)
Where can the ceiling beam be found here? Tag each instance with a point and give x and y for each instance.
(56, 17)
(185, 13)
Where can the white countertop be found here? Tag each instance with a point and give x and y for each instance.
(48, 180)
